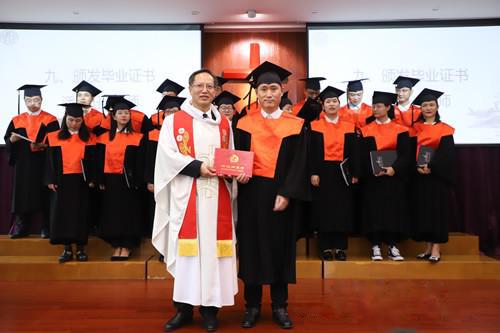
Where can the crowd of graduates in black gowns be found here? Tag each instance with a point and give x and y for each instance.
(94, 173)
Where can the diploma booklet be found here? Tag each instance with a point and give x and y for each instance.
(233, 162)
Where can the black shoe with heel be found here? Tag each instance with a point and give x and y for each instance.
(179, 320)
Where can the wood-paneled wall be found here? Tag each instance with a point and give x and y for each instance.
(232, 50)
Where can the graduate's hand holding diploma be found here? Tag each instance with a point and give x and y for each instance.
(280, 203)
(14, 138)
(52, 187)
(389, 171)
(242, 178)
(423, 169)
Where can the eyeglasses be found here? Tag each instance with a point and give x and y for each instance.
(200, 86)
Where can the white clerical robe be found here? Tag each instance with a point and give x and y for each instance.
(204, 279)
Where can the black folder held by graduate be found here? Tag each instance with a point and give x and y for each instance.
(425, 155)
(382, 159)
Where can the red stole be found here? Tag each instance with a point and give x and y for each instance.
(188, 238)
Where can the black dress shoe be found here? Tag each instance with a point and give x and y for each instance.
(81, 256)
(67, 255)
(423, 256)
(210, 323)
(327, 255)
(340, 255)
(19, 230)
(250, 318)
(280, 317)
(180, 319)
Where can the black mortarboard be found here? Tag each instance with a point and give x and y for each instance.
(355, 85)
(221, 81)
(268, 73)
(168, 102)
(110, 99)
(285, 100)
(384, 97)
(74, 109)
(226, 97)
(31, 90)
(169, 85)
(427, 95)
(405, 82)
(85, 86)
(117, 102)
(313, 83)
(310, 110)
(330, 92)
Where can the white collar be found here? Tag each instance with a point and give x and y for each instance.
(72, 132)
(404, 108)
(34, 113)
(332, 121)
(198, 114)
(274, 115)
(382, 123)
(353, 107)
(433, 123)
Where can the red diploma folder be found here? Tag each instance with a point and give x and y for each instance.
(233, 162)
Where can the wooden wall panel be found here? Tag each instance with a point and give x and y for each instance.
(232, 50)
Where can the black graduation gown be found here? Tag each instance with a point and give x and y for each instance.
(332, 201)
(434, 206)
(149, 177)
(384, 203)
(121, 222)
(69, 204)
(266, 239)
(29, 193)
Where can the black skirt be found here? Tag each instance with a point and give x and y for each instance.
(120, 212)
(433, 210)
(69, 210)
(384, 207)
(332, 201)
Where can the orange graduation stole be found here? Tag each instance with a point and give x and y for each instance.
(188, 236)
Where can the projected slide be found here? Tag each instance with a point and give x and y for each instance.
(117, 62)
(461, 61)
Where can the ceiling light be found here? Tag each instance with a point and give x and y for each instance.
(251, 13)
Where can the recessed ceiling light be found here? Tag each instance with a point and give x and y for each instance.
(76, 12)
(195, 12)
(251, 13)
(435, 9)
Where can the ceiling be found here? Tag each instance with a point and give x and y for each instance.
(233, 11)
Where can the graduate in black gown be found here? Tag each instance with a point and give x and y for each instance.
(384, 207)
(333, 141)
(120, 175)
(29, 196)
(266, 229)
(168, 106)
(434, 205)
(69, 174)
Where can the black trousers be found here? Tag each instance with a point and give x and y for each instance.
(279, 295)
(332, 240)
(206, 311)
(389, 238)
